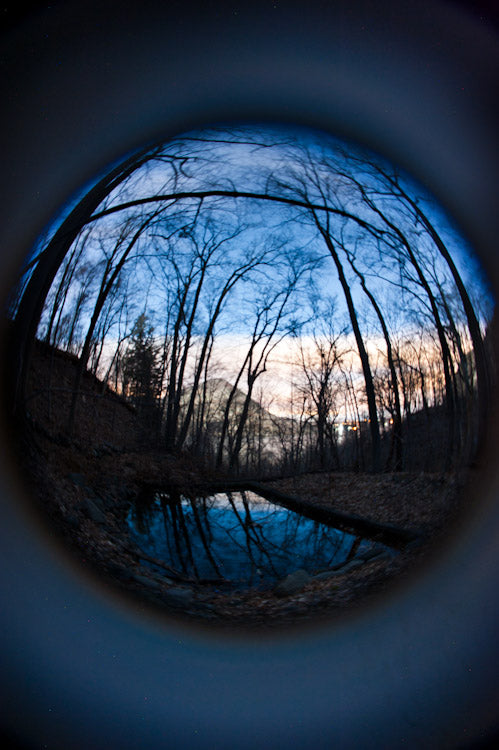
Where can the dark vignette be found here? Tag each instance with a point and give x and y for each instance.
(66, 120)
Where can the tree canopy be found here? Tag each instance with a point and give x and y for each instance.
(216, 255)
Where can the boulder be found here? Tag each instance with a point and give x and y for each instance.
(357, 563)
(178, 597)
(382, 554)
(93, 511)
(106, 449)
(338, 571)
(107, 503)
(370, 554)
(78, 479)
(325, 574)
(145, 581)
(293, 583)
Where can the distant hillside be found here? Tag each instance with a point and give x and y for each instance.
(266, 436)
(213, 396)
(216, 391)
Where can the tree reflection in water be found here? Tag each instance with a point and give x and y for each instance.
(236, 538)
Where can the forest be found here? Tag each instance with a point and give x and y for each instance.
(270, 301)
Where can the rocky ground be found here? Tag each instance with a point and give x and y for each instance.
(84, 492)
(83, 487)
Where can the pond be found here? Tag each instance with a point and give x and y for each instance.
(237, 539)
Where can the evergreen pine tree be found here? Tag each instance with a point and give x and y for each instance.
(141, 370)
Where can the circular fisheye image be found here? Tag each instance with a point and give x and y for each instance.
(251, 371)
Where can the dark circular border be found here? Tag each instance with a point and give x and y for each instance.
(82, 83)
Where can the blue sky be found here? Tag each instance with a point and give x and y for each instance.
(277, 161)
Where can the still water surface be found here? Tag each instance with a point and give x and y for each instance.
(237, 537)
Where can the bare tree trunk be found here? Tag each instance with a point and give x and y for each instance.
(173, 394)
(397, 422)
(364, 358)
(446, 355)
(234, 458)
(106, 286)
(48, 263)
(226, 417)
(62, 291)
(234, 277)
(484, 384)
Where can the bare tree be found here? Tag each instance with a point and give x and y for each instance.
(190, 225)
(115, 262)
(392, 182)
(242, 270)
(320, 365)
(43, 268)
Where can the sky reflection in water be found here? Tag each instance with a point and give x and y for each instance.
(238, 536)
